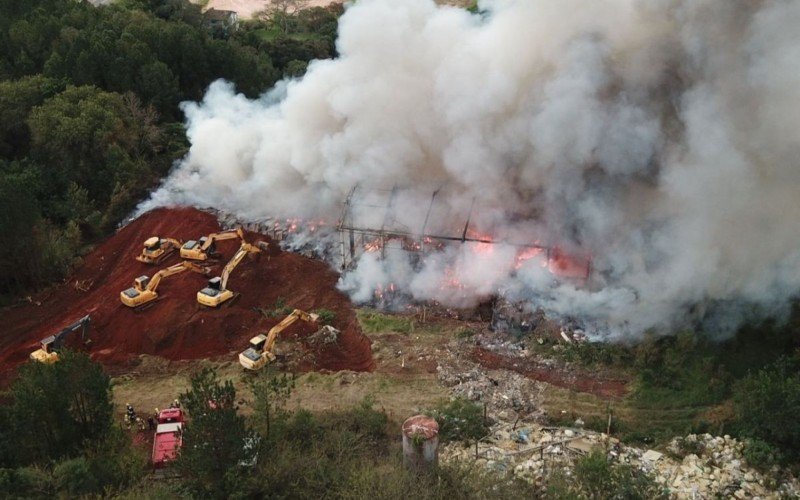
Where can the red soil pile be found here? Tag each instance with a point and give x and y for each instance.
(175, 327)
(576, 380)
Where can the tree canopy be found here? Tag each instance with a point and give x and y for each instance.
(90, 112)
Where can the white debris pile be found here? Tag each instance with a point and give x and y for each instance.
(532, 452)
(506, 394)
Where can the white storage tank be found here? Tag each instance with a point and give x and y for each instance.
(420, 442)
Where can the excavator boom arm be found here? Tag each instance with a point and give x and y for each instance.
(53, 343)
(225, 235)
(288, 321)
(235, 260)
(175, 269)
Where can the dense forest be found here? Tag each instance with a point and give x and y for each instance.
(90, 115)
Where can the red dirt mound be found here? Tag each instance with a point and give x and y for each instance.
(175, 327)
(576, 380)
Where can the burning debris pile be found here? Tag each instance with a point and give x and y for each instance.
(660, 138)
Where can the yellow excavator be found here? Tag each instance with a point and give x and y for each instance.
(143, 291)
(216, 293)
(48, 353)
(157, 249)
(206, 247)
(260, 351)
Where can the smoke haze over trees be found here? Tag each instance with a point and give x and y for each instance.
(659, 137)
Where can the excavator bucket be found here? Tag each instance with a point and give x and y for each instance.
(233, 300)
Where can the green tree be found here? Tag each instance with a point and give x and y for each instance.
(19, 216)
(74, 477)
(57, 408)
(767, 404)
(17, 98)
(75, 135)
(214, 443)
(270, 390)
(282, 14)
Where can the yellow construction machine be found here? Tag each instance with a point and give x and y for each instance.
(157, 249)
(52, 344)
(260, 351)
(216, 293)
(143, 291)
(206, 247)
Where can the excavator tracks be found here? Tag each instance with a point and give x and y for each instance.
(231, 301)
(146, 306)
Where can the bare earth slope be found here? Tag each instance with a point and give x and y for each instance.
(175, 327)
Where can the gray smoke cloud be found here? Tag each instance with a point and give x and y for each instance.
(660, 136)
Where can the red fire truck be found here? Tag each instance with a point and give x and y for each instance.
(168, 438)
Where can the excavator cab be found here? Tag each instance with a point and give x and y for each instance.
(152, 244)
(215, 283)
(48, 352)
(214, 287)
(217, 292)
(258, 341)
(205, 247)
(156, 249)
(197, 249)
(256, 350)
(49, 345)
(141, 282)
(129, 296)
(213, 295)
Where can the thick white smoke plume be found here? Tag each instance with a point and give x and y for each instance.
(660, 136)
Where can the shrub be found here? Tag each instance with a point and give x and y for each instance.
(686, 447)
(114, 462)
(767, 404)
(760, 455)
(460, 420)
(326, 316)
(367, 421)
(373, 322)
(26, 482)
(464, 333)
(74, 477)
(594, 477)
(278, 309)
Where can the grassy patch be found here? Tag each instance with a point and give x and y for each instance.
(632, 421)
(279, 308)
(374, 322)
(326, 316)
(463, 332)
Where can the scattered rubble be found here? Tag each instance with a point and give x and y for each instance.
(531, 452)
(505, 393)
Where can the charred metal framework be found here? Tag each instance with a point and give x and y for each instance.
(354, 237)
